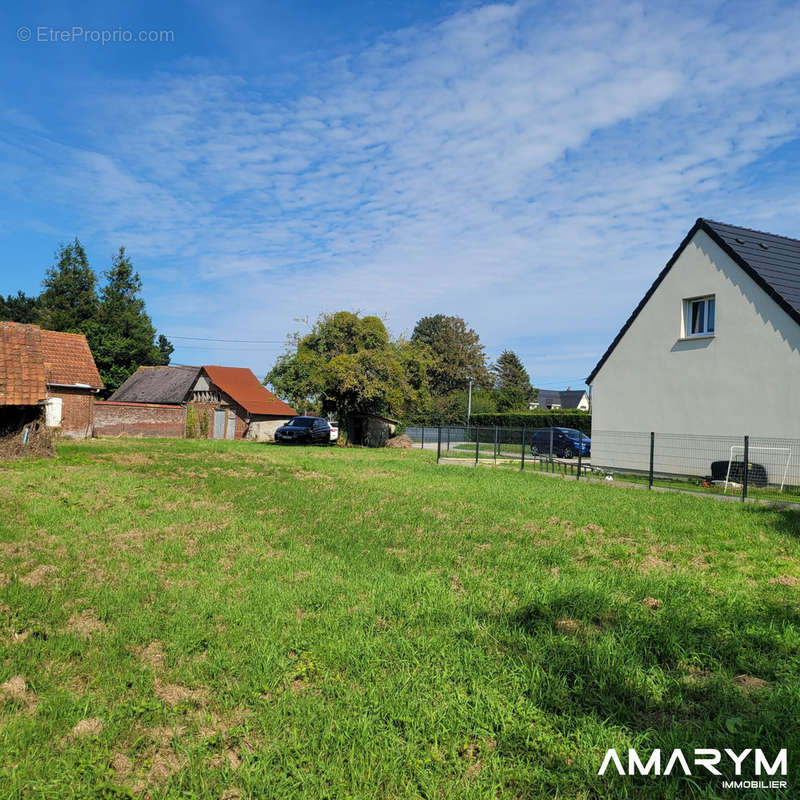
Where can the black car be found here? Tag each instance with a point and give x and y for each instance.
(304, 430)
(566, 442)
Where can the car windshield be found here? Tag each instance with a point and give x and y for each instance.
(571, 434)
(301, 422)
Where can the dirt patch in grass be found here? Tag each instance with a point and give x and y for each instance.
(782, 580)
(15, 690)
(474, 752)
(40, 575)
(152, 655)
(121, 765)
(592, 528)
(85, 624)
(749, 683)
(230, 756)
(652, 603)
(86, 728)
(173, 694)
(164, 763)
(456, 587)
(651, 563)
(576, 627)
(15, 550)
(131, 459)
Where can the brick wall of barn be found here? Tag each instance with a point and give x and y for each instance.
(77, 410)
(112, 418)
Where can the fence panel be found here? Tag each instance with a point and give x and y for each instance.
(703, 463)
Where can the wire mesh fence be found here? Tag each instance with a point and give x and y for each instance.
(743, 466)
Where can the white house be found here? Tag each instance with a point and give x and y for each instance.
(553, 400)
(711, 350)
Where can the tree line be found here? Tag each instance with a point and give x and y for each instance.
(112, 316)
(350, 364)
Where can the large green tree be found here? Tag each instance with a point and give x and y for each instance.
(512, 383)
(69, 300)
(457, 353)
(349, 364)
(122, 335)
(19, 308)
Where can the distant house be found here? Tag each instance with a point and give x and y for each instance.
(221, 402)
(712, 347)
(551, 399)
(47, 368)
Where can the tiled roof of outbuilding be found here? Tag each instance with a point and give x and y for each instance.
(68, 361)
(241, 385)
(22, 377)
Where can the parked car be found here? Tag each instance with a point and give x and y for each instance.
(305, 430)
(334, 431)
(567, 442)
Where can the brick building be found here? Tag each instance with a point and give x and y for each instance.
(219, 402)
(72, 376)
(39, 368)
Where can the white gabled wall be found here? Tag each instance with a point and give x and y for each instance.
(744, 380)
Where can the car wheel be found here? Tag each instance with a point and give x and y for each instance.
(567, 452)
(534, 450)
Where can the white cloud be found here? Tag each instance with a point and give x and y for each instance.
(525, 167)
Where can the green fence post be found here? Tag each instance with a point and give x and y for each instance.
(746, 467)
(477, 443)
(523, 448)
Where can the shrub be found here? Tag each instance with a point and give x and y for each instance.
(191, 423)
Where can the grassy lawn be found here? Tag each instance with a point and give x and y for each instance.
(229, 620)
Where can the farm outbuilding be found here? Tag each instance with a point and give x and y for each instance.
(47, 369)
(72, 377)
(219, 402)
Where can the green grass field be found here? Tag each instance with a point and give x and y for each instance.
(230, 620)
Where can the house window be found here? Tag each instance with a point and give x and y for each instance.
(699, 316)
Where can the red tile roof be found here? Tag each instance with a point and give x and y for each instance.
(68, 360)
(241, 385)
(22, 380)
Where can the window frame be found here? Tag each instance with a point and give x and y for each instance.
(688, 308)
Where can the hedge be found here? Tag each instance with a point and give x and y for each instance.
(569, 418)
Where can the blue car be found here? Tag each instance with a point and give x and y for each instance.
(567, 442)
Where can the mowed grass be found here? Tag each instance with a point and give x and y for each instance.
(231, 620)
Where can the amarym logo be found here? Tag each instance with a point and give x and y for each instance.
(705, 758)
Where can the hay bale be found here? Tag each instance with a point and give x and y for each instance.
(23, 433)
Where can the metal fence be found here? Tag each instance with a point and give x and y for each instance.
(743, 466)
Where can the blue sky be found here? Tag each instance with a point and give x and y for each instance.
(528, 166)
